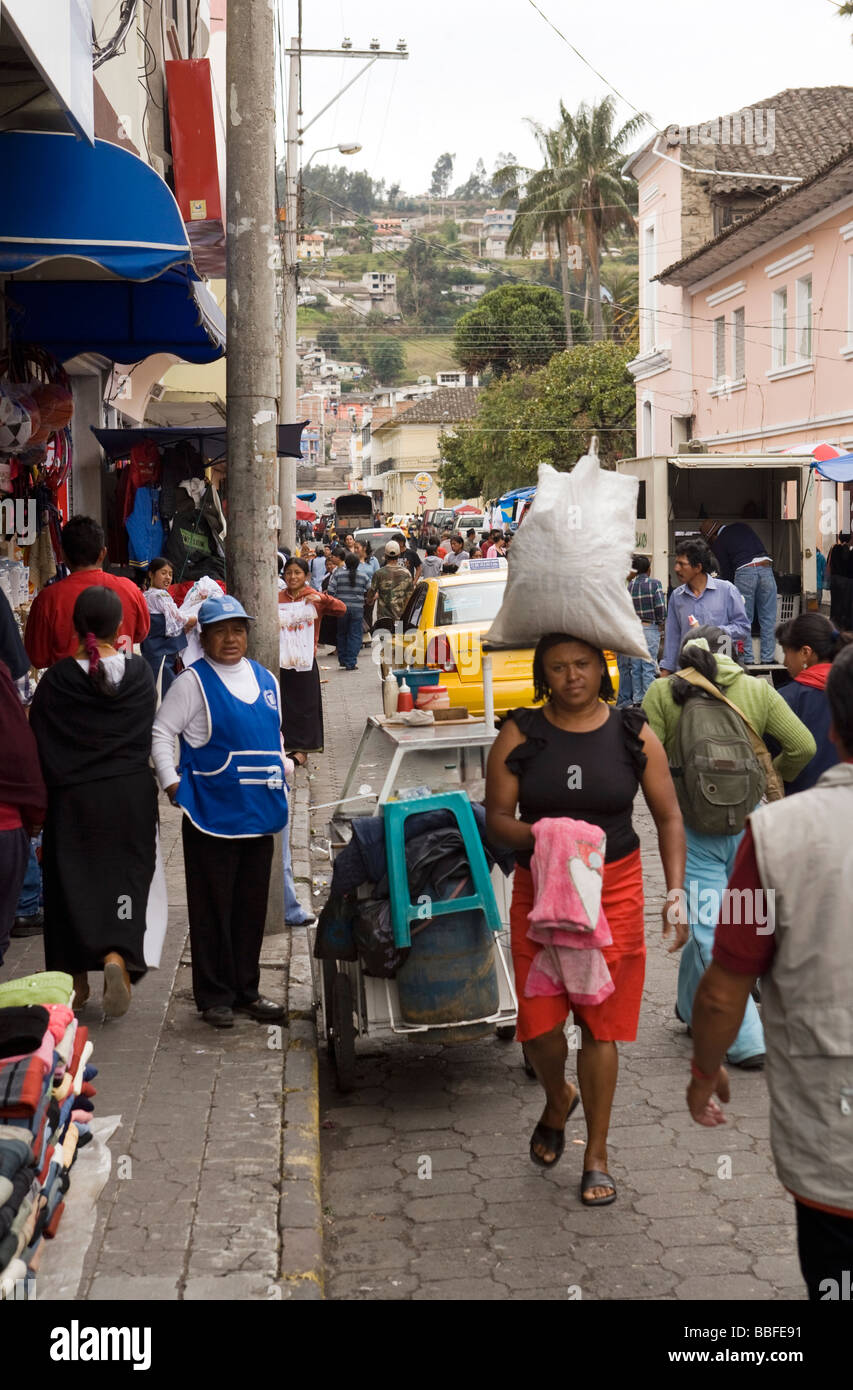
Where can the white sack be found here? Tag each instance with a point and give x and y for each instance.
(569, 561)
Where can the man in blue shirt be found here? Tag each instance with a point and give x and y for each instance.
(744, 561)
(704, 599)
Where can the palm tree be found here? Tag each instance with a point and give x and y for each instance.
(622, 287)
(544, 201)
(600, 193)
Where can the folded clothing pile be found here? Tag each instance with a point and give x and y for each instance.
(46, 1105)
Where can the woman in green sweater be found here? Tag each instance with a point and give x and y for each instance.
(710, 858)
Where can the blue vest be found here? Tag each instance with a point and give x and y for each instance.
(234, 785)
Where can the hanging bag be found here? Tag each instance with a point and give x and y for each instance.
(296, 635)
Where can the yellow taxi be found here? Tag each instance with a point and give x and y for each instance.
(443, 626)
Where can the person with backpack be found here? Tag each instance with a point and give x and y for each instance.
(711, 717)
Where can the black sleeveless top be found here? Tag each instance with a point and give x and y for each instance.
(592, 777)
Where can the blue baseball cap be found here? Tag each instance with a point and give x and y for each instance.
(218, 610)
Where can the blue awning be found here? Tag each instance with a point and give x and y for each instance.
(838, 470)
(97, 204)
(121, 320)
(99, 256)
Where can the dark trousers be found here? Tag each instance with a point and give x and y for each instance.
(14, 853)
(825, 1245)
(227, 889)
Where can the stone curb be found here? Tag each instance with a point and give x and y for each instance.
(301, 1207)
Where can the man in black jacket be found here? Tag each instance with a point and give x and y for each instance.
(745, 563)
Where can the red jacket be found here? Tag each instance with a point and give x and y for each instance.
(50, 634)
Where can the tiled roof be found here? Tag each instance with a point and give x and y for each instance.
(446, 406)
(832, 181)
(810, 126)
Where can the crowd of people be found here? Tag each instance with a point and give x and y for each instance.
(740, 779)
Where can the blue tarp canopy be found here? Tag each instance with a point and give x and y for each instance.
(96, 203)
(122, 320)
(521, 492)
(838, 470)
(210, 440)
(100, 256)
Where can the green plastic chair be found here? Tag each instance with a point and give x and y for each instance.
(403, 910)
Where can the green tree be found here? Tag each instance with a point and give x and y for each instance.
(580, 185)
(419, 288)
(441, 175)
(498, 185)
(605, 199)
(544, 416)
(621, 290)
(516, 327)
(388, 359)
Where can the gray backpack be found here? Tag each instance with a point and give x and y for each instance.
(718, 778)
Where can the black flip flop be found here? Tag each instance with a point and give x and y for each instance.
(554, 1139)
(593, 1177)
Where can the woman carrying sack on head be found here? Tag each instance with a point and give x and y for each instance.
(299, 675)
(716, 802)
(92, 716)
(577, 759)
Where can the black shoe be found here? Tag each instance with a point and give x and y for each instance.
(263, 1011)
(755, 1063)
(220, 1016)
(29, 926)
(308, 921)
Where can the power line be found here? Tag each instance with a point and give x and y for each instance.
(599, 75)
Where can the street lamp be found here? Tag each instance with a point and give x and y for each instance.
(346, 147)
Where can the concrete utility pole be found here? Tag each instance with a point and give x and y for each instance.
(251, 362)
(293, 140)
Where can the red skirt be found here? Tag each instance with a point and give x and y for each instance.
(614, 1020)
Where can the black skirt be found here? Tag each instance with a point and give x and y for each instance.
(302, 710)
(98, 863)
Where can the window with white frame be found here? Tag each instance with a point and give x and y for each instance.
(648, 435)
(719, 342)
(739, 344)
(650, 289)
(804, 318)
(779, 331)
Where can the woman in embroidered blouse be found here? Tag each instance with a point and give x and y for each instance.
(301, 693)
(579, 757)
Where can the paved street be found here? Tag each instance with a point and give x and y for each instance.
(700, 1213)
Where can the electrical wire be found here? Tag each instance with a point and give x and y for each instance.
(103, 53)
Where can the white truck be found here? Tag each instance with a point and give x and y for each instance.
(777, 495)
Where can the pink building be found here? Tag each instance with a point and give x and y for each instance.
(746, 278)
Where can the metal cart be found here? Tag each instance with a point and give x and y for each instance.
(351, 1004)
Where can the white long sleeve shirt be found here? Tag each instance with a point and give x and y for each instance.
(184, 712)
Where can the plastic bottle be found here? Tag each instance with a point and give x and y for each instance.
(404, 699)
(390, 690)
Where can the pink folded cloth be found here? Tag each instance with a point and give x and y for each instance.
(567, 918)
(59, 1017)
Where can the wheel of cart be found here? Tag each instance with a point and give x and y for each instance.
(354, 1005)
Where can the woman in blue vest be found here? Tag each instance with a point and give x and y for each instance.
(226, 712)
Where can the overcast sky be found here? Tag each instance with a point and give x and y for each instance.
(477, 68)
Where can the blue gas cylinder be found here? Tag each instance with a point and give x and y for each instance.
(450, 975)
